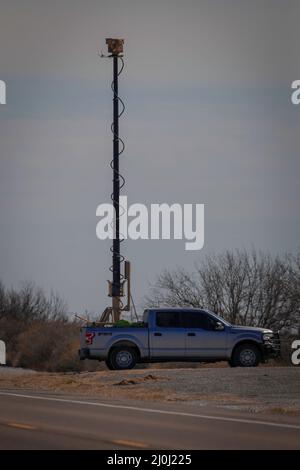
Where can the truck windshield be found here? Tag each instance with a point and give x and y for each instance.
(218, 317)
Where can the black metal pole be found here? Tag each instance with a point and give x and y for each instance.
(116, 185)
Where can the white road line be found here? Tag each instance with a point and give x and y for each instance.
(152, 410)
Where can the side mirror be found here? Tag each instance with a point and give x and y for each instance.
(219, 326)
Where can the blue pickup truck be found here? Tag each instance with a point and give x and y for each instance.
(178, 334)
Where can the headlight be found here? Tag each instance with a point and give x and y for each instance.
(267, 336)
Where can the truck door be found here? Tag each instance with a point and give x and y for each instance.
(167, 336)
(203, 335)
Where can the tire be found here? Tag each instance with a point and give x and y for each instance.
(245, 355)
(108, 364)
(122, 358)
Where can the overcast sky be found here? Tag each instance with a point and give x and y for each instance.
(208, 120)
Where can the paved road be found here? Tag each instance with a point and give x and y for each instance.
(57, 421)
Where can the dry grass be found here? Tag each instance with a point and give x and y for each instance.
(251, 390)
(102, 384)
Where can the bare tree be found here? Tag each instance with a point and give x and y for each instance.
(23, 310)
(253, 288)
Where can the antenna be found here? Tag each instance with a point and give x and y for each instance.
(115, 51)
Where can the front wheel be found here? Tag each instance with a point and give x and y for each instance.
(246, 355)
(122, 358)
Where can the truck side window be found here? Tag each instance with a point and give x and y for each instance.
(198, 320)
(168, 319)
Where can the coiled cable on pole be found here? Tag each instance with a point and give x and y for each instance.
(118, 175)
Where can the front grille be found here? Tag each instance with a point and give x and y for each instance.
(275, 344)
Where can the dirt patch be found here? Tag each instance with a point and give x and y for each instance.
(274, 390)
(138, 380)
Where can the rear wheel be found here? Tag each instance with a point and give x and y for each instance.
(122, 358)
(245, 355)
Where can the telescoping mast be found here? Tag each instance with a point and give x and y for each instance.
(120, 280)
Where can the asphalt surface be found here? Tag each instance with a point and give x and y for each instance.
(58, 421)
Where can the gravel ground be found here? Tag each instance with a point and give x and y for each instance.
(15, 371)
(268, 389)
